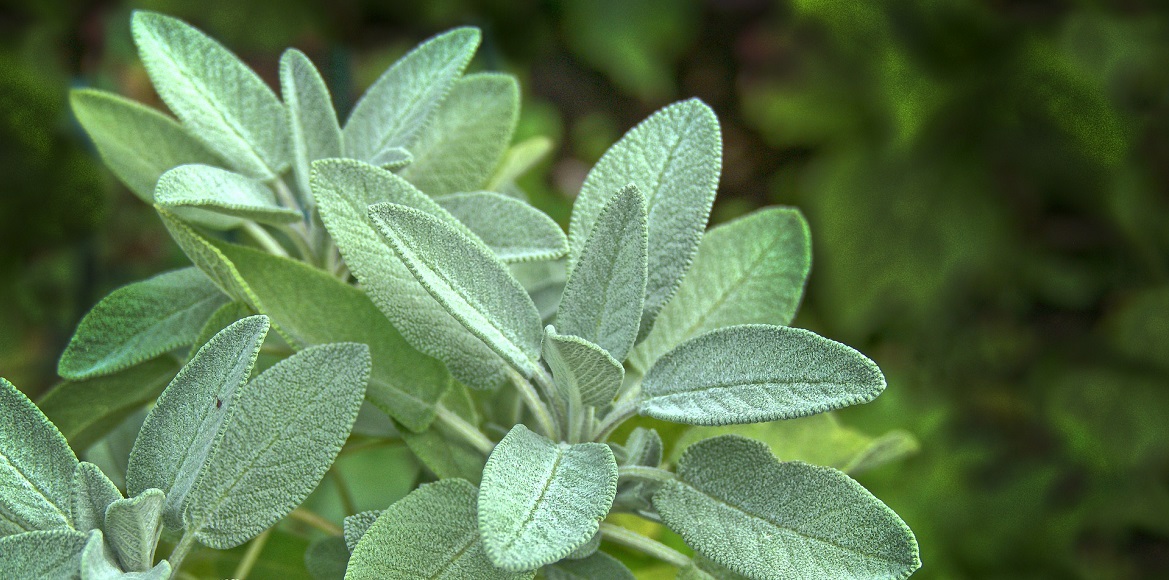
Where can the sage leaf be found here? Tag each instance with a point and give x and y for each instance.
(140, 321)
(209, 259)
(344, 190)
(176, 438)
(393, 158)
(747, 511)
(693, 572)
(544, 282)
(220, 100)
(749, 271)
(458, 149)
(462, 275)
(400, 102)
(643, 447)
(42, 554)
(674, 157)
(540, 500)
(357, 525)
(326, 558)
(514, 230)
(312, 121)
(36, 468)
(444, 454)
(98, 562)
(284, 431)
(132, 529)
(218, 191)
(136, 142)
(93, 492)
(430, 534)
(587, 549)
(583, 371)
(219, 320)
(605, 293)
(598, 565)
(517, 161)
(754, 373)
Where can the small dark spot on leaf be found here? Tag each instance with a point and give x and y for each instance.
(218, 403)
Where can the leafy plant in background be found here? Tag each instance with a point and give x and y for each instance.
(481, 318)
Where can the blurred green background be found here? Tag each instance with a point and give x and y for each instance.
(987, 184)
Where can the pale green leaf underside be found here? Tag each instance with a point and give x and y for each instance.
(467, 135)
(674, 157)
(428, 535)
(514, 230)
(582, 370)
(98, 562)
(605, 292)
(132, 529)
(745, 510)
(312, 121)
(36, 467)
(518, 160)
(219, 191)
(220, 100)
(540, 500)
(393, 158)
(465, 277)
(42, 554)
(598, 565)
(755, 373)
(176, 438)
(139, 322)
(357, 525)
(749, 271)
(93, 492)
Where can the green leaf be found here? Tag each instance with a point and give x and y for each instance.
(745, 510)
(404, 383)
(209, 259)
(140, 321)
(540, 500)
(514, 230)
(210, 190)
(465, 277)
(42, 554)
(444, 454)
(132, 529)
(98, 562)
(112, 452)
(136, 142)
(754, 373)
(749, 271)
(606, 289)
(36, 467)
(327, 558)
(394, 110)
(219, 320)
(587, 549)
(467, 135)
(583, 371)
(428, 535)
(643, 447)
(93, 492)
(344, 189)
(674, 157)
(693, 572)
(284, 430)
(220, 100)
(357, 525)
(518, 160)
(544, 282)
(312, 121)
(393, 159)
(176, 438)
(598, 565)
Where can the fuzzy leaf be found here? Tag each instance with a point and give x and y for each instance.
(674, 157)
(344, 189)
(219, 99)
(395, 108)
(544, 282)
(93, 492)
(36, 468)
(428, 535)
(540, 500)
(467, 135)
(140, 321)
(136, 142)
(219, 320)
(132, 529)
(312, 121)
(518, 160)
(212, 190)
(444, 454)
(755, 373)
(605, 292)
(514, 230)
(393, 158)
(209, 259)
(598, 565)
(99, 563)
(582, 370)
(176, 438)
(462, 274)
(284, 431)
(42, 554)
(749, 271)
(744, 509)
(357, 525)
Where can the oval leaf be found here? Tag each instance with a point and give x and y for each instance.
(582, 370)
(514, 230)
(132, 529)
(312, 121)
(598, 565)
(93, 492)
(42, 554)
(210, 189)
(36, 467)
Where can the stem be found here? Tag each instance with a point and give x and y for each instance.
(644, 473)
(538, 408)
(316, 521)
(300, 239)
(467, 431)
(613, 419)
(647, 546)
(251, 555)
(181, 550)
(265, 239)
(343, 493)
(285, 195)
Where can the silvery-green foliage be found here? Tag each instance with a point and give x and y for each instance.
(357, 525)
(583, 371)
(209, 259)
(312, 121)
(52, 553)
(132, 528)
(763, 518)
(221, 192)
(598, 565)
(516, 161)
(36, 468)
(98, 562)
(93, 492)
(514, 230)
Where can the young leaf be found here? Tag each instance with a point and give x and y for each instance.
(514, 230)
(462, 275)
(217, 191)
(357, 525)
(392, 159)
(541, 500)
(393, 111)
(136, 142)
(643, 447)
(674, 157)
(36, 468)
(98, 562)
(583, 370)
(132, 529)
(312, 121)
(140, 321)
(517, 161)
(606, 289)
(745, 510)
(598, 565)
(209, 259)
(754, 373)
(219, 99)
(93, 492)
(42, 554)
(749, 271)
(459, 148)
(428, 535)
(176, 438)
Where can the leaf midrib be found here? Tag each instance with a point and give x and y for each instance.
(37, 488)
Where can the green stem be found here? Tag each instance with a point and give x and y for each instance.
(538, 408)
(613, 419)
(467, 431)
(265, 239)
(305, 516)
(299, 238)
(647, 546)
(251, 555)
(180, 552)
(284, 194)
(645, 473)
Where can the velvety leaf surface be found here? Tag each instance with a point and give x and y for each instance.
(209, 259)
(514, 230)
(444, 454)
(93, 492)
(99, 563)
(393, 158)
(36, 467)
(582, 370)
(756, 373)
(598, 565)
(139, 322)
(312, 121)
(42, 554)
(357, 525)
(540, 500)
(211, 189)
(132, 529)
